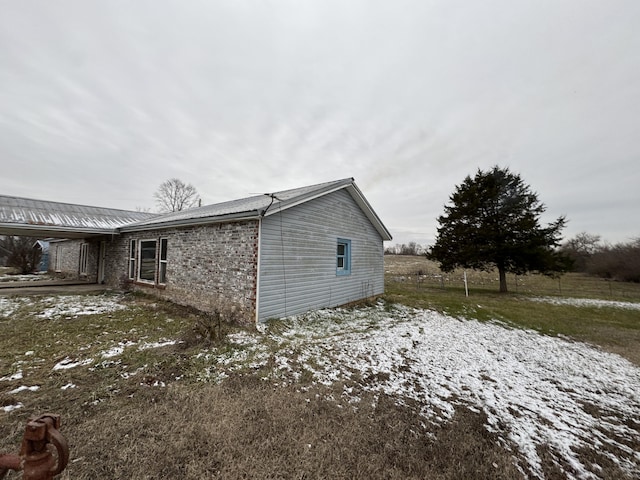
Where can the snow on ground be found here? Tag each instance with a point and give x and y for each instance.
(8, 305)
(15, 376)
(31, 277)
(161, 343)
(535, 390)
(68, 363)
(24, 387)
(75, 305)
(64, 305)
(586, 302)
(11, 408)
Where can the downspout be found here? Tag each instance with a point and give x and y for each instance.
(259, 259)
(258, 262)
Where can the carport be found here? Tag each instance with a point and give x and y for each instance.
(42, 219)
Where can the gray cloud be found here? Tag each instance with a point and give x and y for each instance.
(102, 101)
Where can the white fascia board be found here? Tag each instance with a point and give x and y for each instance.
(286, 204)
(362, 202)
(357, 196)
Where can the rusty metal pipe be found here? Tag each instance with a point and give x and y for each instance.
(36, 459)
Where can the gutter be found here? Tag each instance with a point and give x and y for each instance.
(252, 215)
(45, 230)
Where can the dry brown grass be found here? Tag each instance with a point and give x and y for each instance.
(122, 427)
(246, 428)
(243, 427)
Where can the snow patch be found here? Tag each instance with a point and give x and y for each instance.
(15, 376)
(76, 305)
(68, 363)
(117, 350)
(586, 302)
(161, 343)
(9, 305)
(24, 387)
(10, 408)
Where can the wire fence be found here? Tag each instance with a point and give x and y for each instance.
(569, 285)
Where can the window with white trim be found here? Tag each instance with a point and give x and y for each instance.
(58, 262)
(343, 257)
(132, 259)
(84, 258)
(147, 261)
(162, 273)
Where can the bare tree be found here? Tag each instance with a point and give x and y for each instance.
(581, 248)
(21, 253)
(618, 262)
(174, 195)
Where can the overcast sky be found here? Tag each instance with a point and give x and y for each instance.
(101, 101)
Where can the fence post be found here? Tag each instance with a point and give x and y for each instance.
(466, 288)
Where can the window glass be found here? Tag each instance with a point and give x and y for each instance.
(163, 249)
(147, 260)
(343, 257)
(84, 258)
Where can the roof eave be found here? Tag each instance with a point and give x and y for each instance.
(356, 194)
(42, 231)
(362, 202)
(234, 217)
(285, 204)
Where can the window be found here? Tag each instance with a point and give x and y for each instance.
(343, 257)
(84, 258)
(132, 259)
(162, 274)
(58, 262)
(147, 266)
(148, 260)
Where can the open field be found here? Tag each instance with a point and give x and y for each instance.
(615, 329)
(423, 273)
(425, 384)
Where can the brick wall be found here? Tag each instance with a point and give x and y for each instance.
(205, 265)
(66, 255)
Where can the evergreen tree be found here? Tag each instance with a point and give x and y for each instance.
(493, 222)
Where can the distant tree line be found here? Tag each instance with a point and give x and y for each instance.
(619, 261)
(411, 248)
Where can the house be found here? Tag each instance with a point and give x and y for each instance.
(269, 255)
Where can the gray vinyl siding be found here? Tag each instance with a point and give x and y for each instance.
(297, 269)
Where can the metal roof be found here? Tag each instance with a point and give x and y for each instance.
(72, 221)
(40, 218)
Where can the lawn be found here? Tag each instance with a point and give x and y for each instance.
(425, 383)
